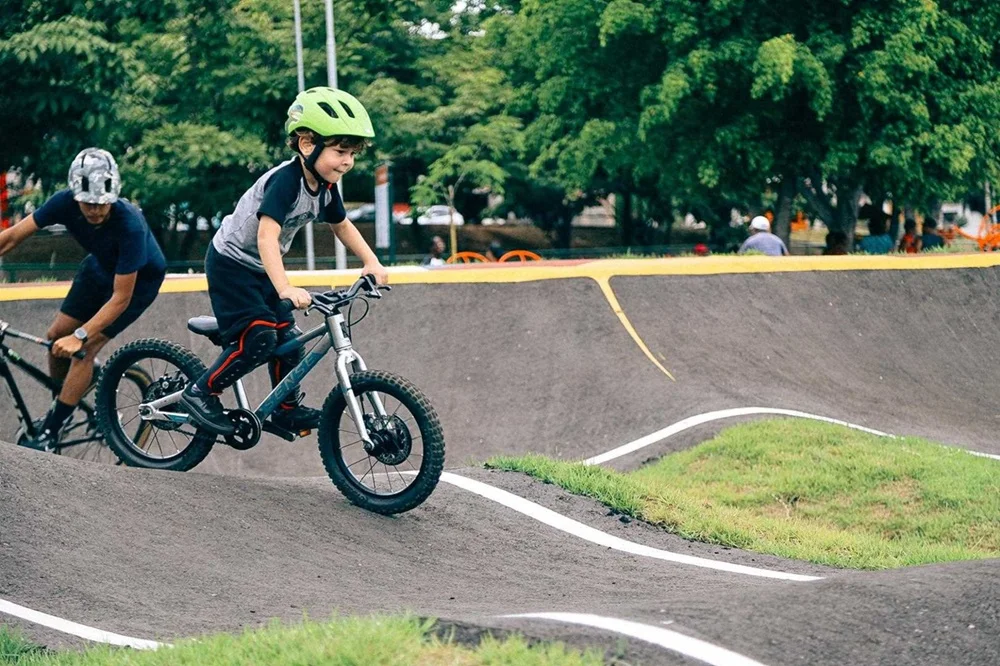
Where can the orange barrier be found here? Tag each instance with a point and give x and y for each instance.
(520, 255)
(988, 238)
(467, 258)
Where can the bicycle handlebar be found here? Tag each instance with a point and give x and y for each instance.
(5, 329)
(328, 301)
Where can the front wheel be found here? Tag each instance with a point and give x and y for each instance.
(405, 464)
(154, 444)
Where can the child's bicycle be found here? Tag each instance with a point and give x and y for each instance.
(379, 437)
(81, 436)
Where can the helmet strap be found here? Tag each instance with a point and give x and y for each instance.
(310, 162)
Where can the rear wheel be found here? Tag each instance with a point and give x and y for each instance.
(154, 444)
(404, 465)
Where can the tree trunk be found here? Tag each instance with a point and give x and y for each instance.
(564, 232)
(783, 214)
(625, 223)
(848, 196)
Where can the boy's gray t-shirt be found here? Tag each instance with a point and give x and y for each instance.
(281, 194)
(765, 242)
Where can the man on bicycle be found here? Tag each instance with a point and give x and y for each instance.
(116, 281)
(244, 267)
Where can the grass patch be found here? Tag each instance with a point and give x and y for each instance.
(14, 648)
(388, 641)
(806, 490)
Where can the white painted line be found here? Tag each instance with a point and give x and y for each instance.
(671, 640)
(81, 630)
(698, 419)
(983, 455)
(578, 529)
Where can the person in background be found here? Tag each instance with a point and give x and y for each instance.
(762, 240)
(931, 239)
(836, 243)
(435, 256)
(494, 251)
(910, 243)
(878, 240)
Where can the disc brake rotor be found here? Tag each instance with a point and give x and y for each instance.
(391, 438)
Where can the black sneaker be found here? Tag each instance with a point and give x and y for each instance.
(206, 411)
(296, 420)
(46, 440)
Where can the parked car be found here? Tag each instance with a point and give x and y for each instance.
(439, 215)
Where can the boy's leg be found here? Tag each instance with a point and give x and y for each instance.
(247, 325)
(292, 415)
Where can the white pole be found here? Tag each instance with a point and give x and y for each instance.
(298, 45)
(310, 250)
(331, 75)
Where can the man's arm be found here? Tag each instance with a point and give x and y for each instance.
(11, 238)
(120, 298)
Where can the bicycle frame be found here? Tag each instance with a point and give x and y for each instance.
(347, 359)
(9, 357)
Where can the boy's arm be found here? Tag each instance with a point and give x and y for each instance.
(11, 238)
(355, 242)
(268, 232)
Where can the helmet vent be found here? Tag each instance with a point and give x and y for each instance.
(347, 109)
(329, 110)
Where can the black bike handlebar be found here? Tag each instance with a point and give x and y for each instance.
(331, 300)
(5, 329)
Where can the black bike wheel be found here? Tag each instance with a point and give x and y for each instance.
(160, 444)
(406, 464)
(81, 438)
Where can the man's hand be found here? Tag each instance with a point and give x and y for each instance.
(376, 269)
(66, 346)
(299, 297)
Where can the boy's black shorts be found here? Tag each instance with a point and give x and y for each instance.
(240, 296)
(92, 288)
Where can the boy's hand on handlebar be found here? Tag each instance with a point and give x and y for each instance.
(66, 346)
(299, 297)
(376, 270)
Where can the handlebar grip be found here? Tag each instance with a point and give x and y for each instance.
(285, 306)
(81, 353)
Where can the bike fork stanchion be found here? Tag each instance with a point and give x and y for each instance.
(353, 406)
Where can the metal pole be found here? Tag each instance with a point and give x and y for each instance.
(331, 75)
(298, 45)
(310, 248)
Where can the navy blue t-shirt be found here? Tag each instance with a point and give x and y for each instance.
(121, 245)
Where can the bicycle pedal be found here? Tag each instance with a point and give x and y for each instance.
(286, 435)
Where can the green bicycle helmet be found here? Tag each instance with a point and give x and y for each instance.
(329, 112)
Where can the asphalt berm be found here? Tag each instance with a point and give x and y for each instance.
(541, 366)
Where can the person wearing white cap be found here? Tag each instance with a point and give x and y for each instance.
(762, 240)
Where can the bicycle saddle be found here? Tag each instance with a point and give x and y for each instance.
(204, 325)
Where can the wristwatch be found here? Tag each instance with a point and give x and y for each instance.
(80, 334)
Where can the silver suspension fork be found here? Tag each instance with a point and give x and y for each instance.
(348, 359)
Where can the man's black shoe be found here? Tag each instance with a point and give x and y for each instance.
(206, 411)
(46, 440)
(296, 420)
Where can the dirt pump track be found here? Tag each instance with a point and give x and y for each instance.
(535, 359)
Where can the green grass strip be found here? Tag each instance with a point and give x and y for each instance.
(382, 641)
(806, 490)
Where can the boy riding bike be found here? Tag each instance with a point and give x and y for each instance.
(117, 281)
(246, 275)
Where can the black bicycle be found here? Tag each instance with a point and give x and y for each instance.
(81, 437)
(379, 437)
